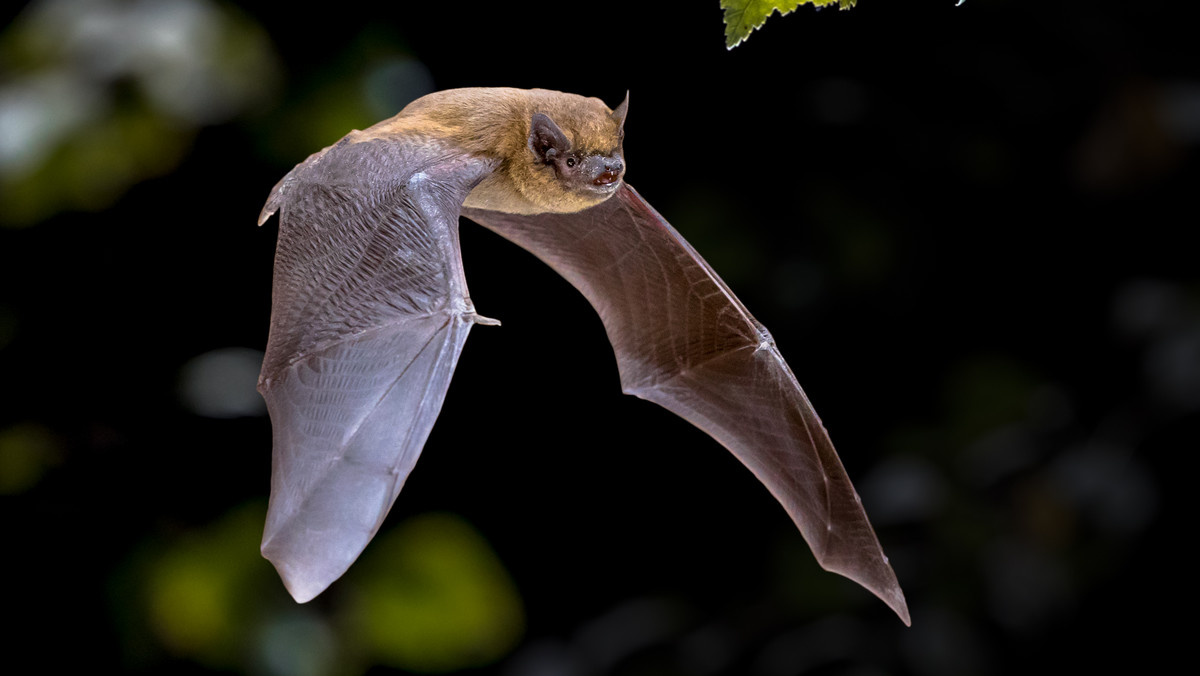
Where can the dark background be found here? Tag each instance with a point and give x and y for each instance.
(971, 230)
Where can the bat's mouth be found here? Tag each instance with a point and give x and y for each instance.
(605, 188)
(603, 173)
(608, 176)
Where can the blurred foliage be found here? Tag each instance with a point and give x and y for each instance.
(27, 451)
(199, 589)
(431, 596)
(98, 95)
(372, 79)
(743, 17)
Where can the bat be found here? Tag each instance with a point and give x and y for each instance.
(370, 311)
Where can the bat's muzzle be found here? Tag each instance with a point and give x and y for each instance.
(605, 170)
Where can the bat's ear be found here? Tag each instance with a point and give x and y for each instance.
(546, 140)
(619, 112)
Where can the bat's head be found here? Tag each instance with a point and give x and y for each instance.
(575, 158)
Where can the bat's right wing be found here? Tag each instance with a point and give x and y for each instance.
(369, 312)
(684, 341)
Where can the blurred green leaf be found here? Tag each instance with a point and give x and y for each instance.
(742, 17)
(435, 598)
(27, 451)
(93, 167)
(196, 592)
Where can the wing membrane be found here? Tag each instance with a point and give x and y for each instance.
(685, 342)
(369, 315)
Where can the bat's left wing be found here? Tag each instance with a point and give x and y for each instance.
(684, 341)
(369, 313)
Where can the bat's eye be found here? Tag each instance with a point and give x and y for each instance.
(570, 161)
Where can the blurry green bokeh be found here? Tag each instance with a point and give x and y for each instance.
(27, 451)
(429, 595)
(198, 590)
(99, 96)
(434, 597)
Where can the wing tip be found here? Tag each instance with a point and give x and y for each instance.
(884, 584)
(876, 576)
(300, 593)
(894, 598)
(303, 586)
(887, 590)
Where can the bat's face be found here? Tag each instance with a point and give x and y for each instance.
(595, 175)
(576, 156)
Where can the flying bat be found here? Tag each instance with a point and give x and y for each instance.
(370, 311)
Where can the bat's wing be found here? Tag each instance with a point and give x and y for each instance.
(369, 314)
(684, 341)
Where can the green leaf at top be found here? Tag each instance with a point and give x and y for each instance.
(743, 17)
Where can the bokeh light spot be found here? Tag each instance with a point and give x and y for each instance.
(221, 383)
(27, 451)
(196, 597)
(435, 598)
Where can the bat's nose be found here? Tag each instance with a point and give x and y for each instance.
(612, 171)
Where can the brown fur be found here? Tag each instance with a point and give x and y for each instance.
(494, 123)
